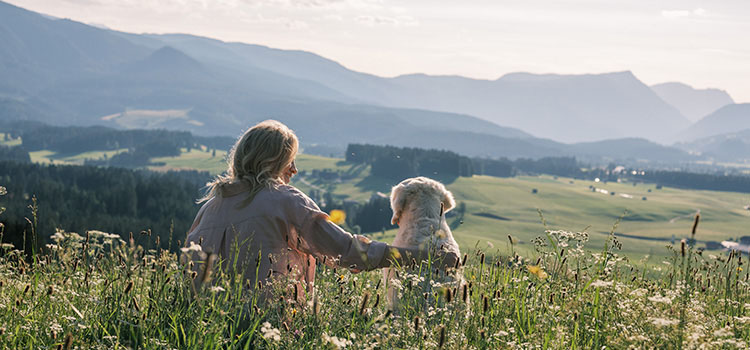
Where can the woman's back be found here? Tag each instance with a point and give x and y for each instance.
(280, 232)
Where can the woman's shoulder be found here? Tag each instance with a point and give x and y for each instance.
(290, 192)
(293, 196)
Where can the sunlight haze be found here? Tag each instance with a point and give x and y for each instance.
(701, 43)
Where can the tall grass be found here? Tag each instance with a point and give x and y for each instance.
(97, 291)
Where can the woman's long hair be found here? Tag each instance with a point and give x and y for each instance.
(258, 159)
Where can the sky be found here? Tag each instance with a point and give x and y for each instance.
(703, 43)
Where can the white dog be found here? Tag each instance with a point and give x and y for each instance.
(419, 205)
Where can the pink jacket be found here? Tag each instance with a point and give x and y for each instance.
(282, 230)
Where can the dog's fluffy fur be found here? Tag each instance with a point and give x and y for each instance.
(416, 205)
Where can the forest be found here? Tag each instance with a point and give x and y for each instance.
(43, 198)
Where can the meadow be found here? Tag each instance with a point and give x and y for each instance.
(498, 207)
(555, 268)
(98, 291)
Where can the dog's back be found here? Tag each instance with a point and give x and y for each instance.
(419, 206)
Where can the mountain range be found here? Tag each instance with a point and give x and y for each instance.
(65, 72)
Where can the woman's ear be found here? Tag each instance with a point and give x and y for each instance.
(448, 201)
(398, 201)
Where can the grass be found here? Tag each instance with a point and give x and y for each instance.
(545, 288)
(196, 159)
(99, 292)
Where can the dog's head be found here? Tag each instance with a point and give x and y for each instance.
(427, 192)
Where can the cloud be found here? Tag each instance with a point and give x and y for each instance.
(289, 23)
(675, 14)
(671, 14)
(398, 21)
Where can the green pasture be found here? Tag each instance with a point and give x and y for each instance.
(201, 159)
(498, 207)
(50, 157)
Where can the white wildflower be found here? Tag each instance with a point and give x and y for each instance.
(55, 327)
(663, 322)
(270, 332)
(216, 289)
(660, 299)
(601, 284)
(338, 343)
(725, 332)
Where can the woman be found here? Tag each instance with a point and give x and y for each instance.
(260, 225)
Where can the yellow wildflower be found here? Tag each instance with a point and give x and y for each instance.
(337, 216)
(395, 253)
(537, 271)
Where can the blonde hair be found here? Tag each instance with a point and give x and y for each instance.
(258, 159)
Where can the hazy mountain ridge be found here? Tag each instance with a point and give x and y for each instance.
(727, 119)
(693, 103)
(561, 107)
(214, 88)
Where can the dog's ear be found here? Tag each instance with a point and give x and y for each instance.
(448, 201)
(398, 202)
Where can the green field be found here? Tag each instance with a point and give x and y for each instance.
(49, 157)
(498, 207)
(196, 159)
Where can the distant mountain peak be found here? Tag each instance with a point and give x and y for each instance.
(691, 102)
(167, 58)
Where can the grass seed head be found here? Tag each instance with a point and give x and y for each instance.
(441, 337)
(68, 341)
(695, 223)
(362, 307)
(682, 248)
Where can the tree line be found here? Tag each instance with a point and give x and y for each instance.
(403, 162)
(79, 198)
(139, 145)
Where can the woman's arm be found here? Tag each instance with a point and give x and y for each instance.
(314, 234)
(324, 238)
